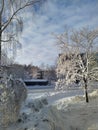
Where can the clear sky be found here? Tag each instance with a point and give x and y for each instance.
(38, 43)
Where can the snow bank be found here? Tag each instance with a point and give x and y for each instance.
(37, 104)
(71, 113)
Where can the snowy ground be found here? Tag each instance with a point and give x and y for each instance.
(51, 110)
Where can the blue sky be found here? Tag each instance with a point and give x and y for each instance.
(38, 42)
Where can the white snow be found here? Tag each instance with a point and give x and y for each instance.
(35, 80)
(39, 87)
(63, 110)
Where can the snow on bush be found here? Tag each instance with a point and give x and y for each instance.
(37, 104)
(12, 94)
(61, 85)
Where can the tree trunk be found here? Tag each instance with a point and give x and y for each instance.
(86, 90)
(0, 39)
(0, 49)
(86, 95)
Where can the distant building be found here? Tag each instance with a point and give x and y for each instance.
(40, 74)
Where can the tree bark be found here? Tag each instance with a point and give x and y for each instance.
(0, 49)
(86, 95)
(0, 39)
(86, 90)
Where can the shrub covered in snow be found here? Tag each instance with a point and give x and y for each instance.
(12, 94)
(37, 104)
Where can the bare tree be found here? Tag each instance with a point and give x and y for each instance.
(11, 23)
(80, 49)
(5, 59)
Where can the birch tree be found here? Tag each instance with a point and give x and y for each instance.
(12, 91)
(80, 47)
(11, 23)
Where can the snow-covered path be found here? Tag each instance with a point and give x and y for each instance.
(53, 95)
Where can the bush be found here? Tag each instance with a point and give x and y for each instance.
(12, 94)
(37, 104)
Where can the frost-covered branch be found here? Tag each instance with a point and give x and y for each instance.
(78, 61)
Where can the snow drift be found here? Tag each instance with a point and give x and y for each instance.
(71, 113)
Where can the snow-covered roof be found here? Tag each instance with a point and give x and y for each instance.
(35, 80)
